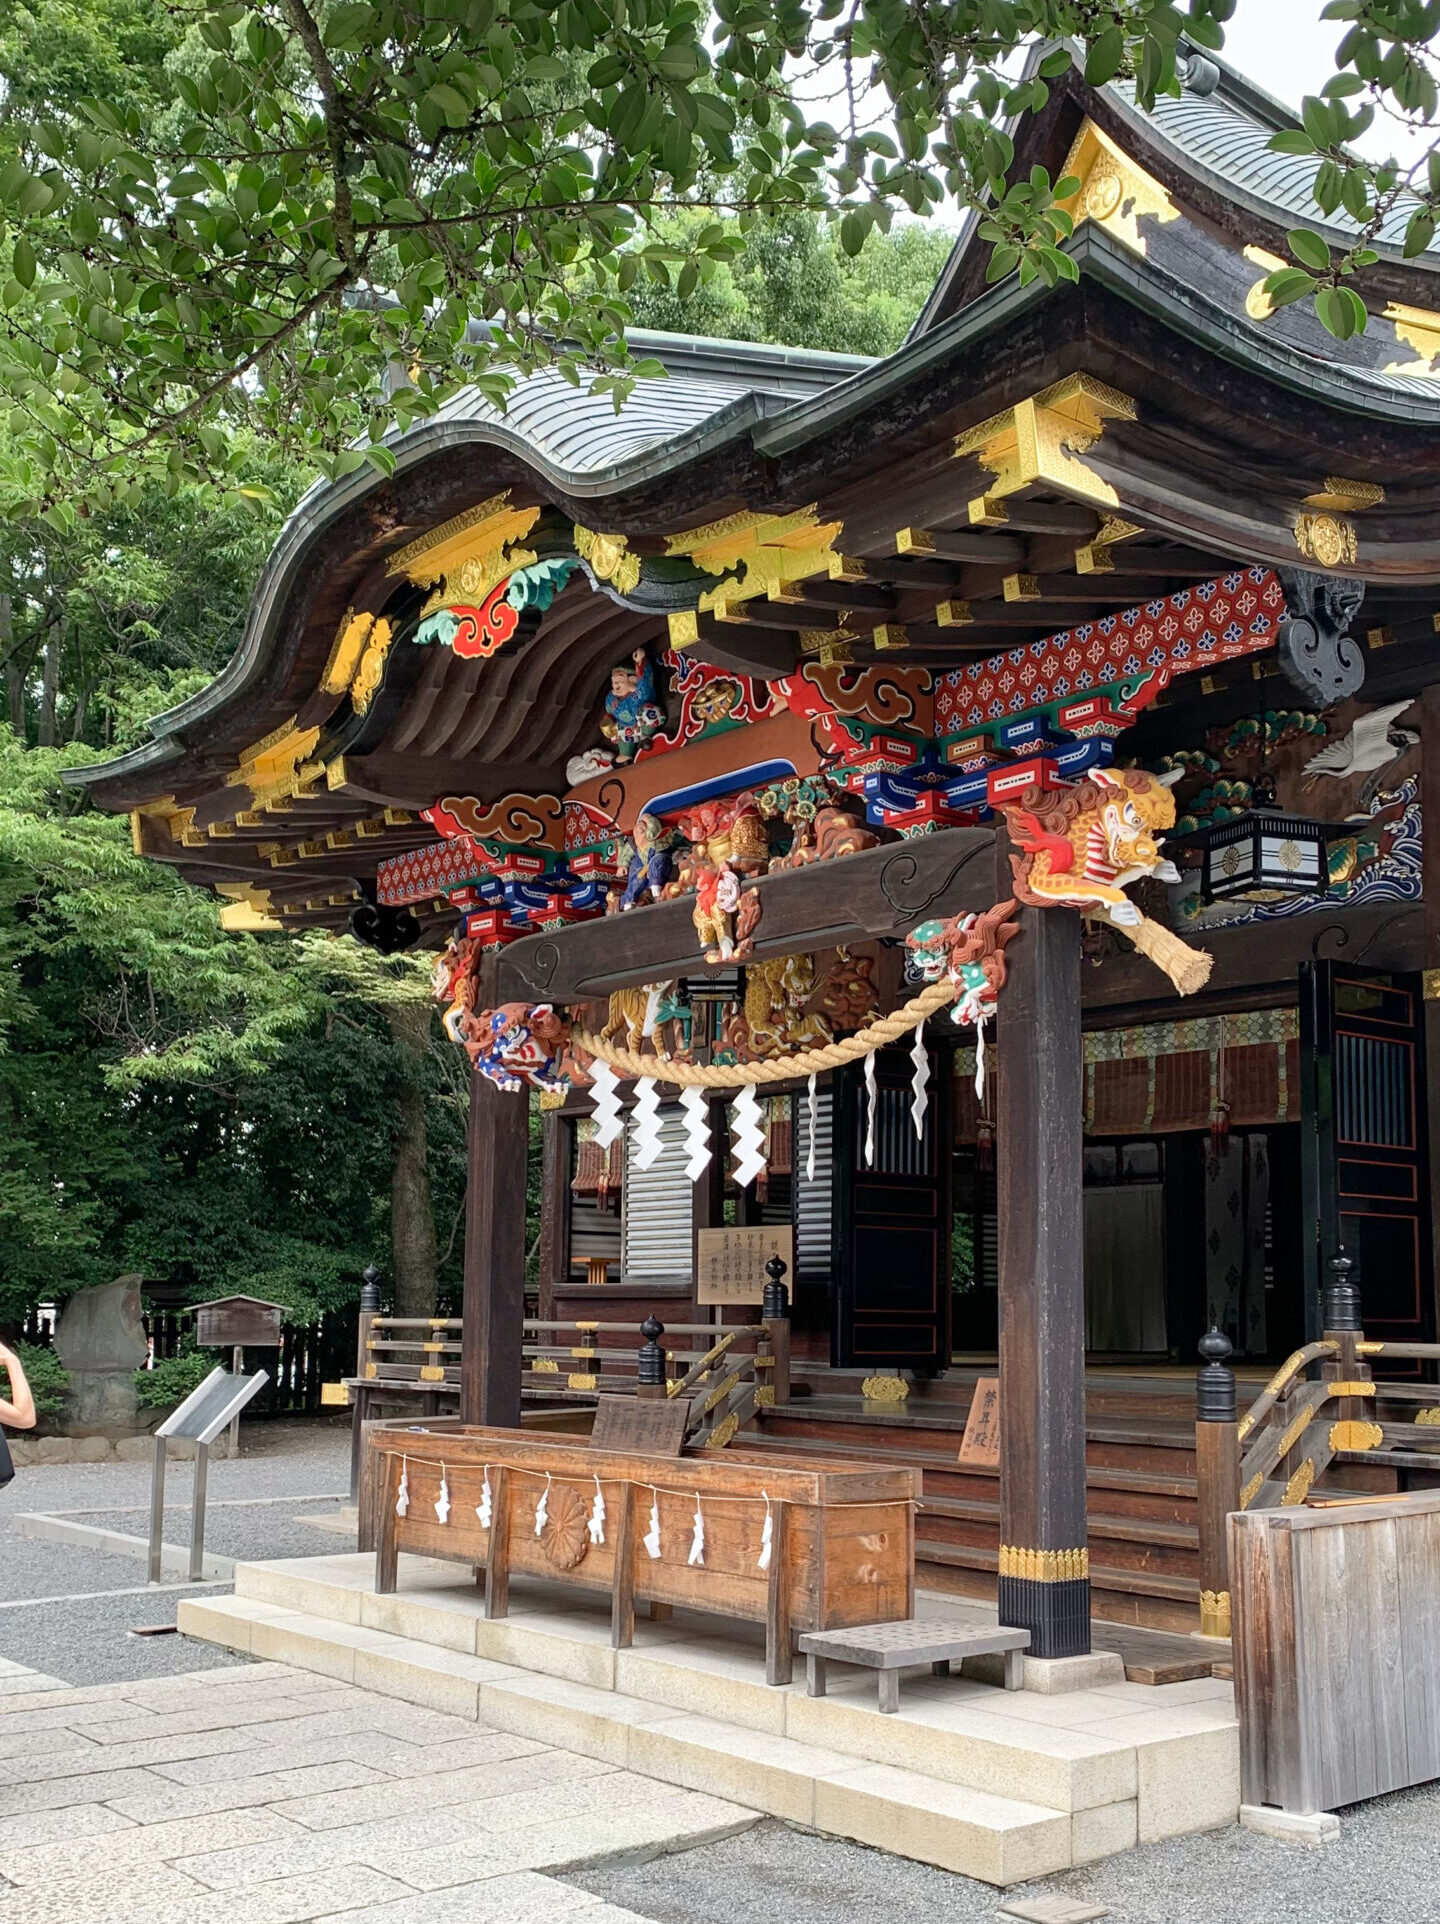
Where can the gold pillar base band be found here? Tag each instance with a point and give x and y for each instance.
(1044, 1566)
(1214, 1613)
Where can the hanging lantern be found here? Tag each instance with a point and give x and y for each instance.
(1263, 855)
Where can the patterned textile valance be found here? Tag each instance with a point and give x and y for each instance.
(1160, 1077)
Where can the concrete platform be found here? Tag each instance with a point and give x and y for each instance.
(1000, 1785)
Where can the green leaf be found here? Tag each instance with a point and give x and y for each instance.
(1288, 284)
(1309, 249)
(381, 458)
(1290, 140)
(22, 262)
(1419, 232)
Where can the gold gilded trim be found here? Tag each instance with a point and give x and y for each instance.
(1429, 1418)
(1328, 539)
(1351, 1389)
(1298, 1488)
(1296, 1430)
(545, 1366)
(885, 1389)
(1419, 328)
(610, 558)
(582, 1380)
(370, 670)
(1042, 439)
(350, 640)
(1114, 192)
(770, 550)
(1350, 497)
(1214, 1613)
(1355, 1436)
(1043, 1566)
(723, 1431)
(1251, 1491)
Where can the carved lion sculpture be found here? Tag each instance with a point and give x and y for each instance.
(1081, 845)
(519, 1045)
(970, 950)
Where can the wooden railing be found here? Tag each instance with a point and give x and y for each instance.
(1277, 1452)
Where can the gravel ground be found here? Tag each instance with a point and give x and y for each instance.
(68, 1610)
(1382, 1871)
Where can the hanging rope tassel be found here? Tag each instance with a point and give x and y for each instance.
(482, 1508)
(651, 1538)
(597, 1515)
(402, 1495)
(697, 1541)
(542, 1508)
(442, 1502)
(767, 1537)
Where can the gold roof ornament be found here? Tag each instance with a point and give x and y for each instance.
(609, 558)
(768, 550)
(357, 660)
(1418, 328)
(467, 556)
(1327, 539)
(1042, 439)
(1114, 192)
(1348, 497)
(247, 910)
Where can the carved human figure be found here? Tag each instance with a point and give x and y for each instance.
(632, 714)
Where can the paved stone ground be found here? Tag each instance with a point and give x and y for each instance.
(279, 1796)
(1382, 1871)
(67, 1611)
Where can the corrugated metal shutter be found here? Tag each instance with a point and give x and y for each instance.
(658, 1206)
(813, 1227)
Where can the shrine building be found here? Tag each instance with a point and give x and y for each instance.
(949, 824)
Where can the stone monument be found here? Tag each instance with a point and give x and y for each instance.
(100, 1339)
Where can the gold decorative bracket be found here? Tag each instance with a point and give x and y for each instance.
(1114, 192)
(1042, 440)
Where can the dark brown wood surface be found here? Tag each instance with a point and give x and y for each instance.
(494, 1288)
(881, 891)
(1430, 864)
(1041, 1237)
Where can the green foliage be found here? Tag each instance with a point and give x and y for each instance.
(256, 207)
(794, 285)
(172, 1380)
(46, 1375)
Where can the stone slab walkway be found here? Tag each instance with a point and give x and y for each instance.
(282, 1797)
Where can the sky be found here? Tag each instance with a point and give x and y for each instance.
(1286, 48)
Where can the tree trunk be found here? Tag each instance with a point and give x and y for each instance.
(50, 687)
(412, 1217)
(14, 668)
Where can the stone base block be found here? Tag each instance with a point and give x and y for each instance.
(1055, 1676)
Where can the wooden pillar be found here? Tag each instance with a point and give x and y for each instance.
(494, 1302)
(557, 1134)
(1430, 887)
(1217, 1479)
(1044, 1563)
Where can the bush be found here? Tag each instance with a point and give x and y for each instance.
(46, 1376)
(172, 1381)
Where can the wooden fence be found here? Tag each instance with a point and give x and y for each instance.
(309, 1355)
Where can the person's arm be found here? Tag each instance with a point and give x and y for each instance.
(19, 1413)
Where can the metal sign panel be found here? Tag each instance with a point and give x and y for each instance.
(211, 1405)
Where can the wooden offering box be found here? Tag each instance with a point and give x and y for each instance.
(841, 1540)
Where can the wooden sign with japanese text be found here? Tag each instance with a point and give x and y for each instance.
(981, 1446)
(653, 1426)
(730, 1263)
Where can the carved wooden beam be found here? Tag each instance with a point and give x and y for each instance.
(883, 891)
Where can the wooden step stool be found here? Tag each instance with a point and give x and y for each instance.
(893, 1647)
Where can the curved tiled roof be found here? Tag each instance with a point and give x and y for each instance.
(1227, 133)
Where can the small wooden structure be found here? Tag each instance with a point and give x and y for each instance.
(1337, 1650)
(803, 1545)
(238, 1322)
(919, 1644)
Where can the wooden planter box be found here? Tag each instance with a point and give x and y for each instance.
(1337, 1650)
(842, 1539)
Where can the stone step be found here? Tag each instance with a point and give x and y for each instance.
(1116, 1760)
(978, 1833)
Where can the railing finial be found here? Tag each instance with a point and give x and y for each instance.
(370, 1291)
(1341, 1296)
(650, 1359)
(776, 1300)
(1215, 1383)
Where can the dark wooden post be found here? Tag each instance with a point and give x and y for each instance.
(1044, 1562)
(493, 1337)
(1430, 881)
(1217, 1479)
(650, 1362)
(775, 1315)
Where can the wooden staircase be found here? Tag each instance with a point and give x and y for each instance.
(1140, 1481)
